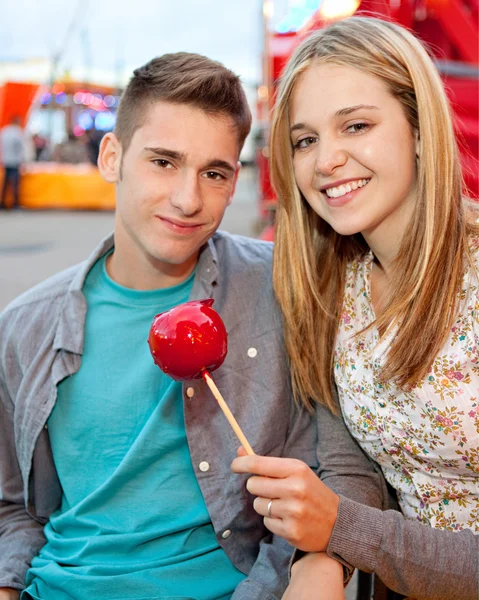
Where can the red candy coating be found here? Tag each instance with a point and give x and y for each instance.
(188, 339)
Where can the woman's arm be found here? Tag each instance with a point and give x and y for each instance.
(344, 467)
(316, 577)
(410, 558)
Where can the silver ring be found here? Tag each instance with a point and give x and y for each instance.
(268, 510)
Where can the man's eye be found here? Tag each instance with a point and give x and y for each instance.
(161, 162)
(214, 175)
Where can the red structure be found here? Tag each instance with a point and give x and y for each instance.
(16, 100)
(449, 27)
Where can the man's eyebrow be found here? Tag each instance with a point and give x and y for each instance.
(350, 109)
(165, 153)
(221, 164)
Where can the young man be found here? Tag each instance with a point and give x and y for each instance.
(129, 470)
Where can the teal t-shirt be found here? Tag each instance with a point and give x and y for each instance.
(133, 524)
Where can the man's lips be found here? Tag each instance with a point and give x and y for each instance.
(180, 226)
(176, 223)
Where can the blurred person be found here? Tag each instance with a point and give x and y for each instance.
(93, 139)
(127, 470)
(73, 151)
(40, 146)
(376, 269)
(12, 155)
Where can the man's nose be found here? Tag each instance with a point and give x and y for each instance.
(187, 195)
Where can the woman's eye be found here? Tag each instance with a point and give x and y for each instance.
(305, 142)
(357, 127)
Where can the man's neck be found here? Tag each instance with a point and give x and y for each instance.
(146, 275)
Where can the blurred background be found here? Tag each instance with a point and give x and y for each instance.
(63, 66)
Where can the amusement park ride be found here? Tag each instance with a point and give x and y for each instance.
(451, 30)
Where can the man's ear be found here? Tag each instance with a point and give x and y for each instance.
(235, 181)
(109, 158)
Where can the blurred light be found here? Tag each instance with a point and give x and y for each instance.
(85, 120)
(96, 102)
(268, 9)
(78, 131)
(78, 98)
(58, 88)
(87, 98)
(298, 15)
(105, 121)
(45, 98)
(263, 92)
(338, 9)
(109, 101)
(60, 98)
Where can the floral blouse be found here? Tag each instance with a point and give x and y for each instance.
(426, 440)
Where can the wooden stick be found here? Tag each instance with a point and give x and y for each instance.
(228, 414)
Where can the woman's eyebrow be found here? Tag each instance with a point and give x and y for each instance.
(350, 109)
(342, 112)
(297, 126)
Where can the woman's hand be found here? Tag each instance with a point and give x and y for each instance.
(316, 576)
(303, 510)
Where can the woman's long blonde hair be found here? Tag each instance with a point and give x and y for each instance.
(310, 258)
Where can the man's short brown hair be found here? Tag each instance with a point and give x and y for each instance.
(182, 78)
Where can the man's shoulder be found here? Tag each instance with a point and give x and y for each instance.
(238, 250)
(44, 294)
(245, 270)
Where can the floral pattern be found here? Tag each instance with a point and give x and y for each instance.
(426, 439)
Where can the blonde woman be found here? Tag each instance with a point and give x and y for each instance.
(376, 271)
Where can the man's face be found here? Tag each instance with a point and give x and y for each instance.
(174, 183)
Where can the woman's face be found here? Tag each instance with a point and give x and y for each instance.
(354, 152)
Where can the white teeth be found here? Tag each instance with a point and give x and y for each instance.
(345, 188)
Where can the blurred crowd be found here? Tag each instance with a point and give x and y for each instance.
(74, 149)
(18, 148)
